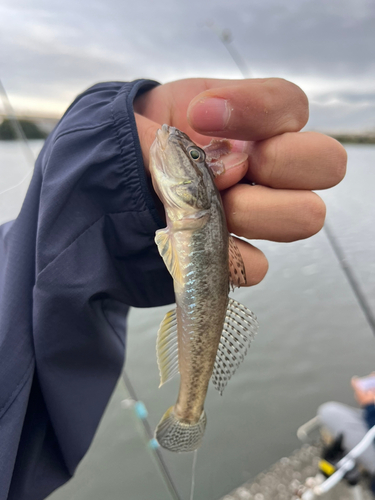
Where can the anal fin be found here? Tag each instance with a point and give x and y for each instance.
(239, 329)
(167, 347)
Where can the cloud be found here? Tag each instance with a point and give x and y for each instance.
(57, 49)
(342, 116)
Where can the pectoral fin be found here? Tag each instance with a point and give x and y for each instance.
(239, 329)
(168, 253)
(167, 348)
(237, 273)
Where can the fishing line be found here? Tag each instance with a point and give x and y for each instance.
(18, 183)
(193, 474)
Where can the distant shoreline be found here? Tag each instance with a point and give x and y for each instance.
(354, 138)
(39, 128)
(343, 139)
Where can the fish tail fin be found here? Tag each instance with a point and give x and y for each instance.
(174, 435)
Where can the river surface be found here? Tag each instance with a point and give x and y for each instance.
(313, 337)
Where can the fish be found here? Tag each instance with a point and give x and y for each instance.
(207, 335)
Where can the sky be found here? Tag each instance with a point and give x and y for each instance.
(51, 50)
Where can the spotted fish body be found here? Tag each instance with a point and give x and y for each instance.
(208, 333)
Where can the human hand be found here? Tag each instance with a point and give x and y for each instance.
(364, 397)
(262, 117)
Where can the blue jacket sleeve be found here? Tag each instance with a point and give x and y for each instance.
(369, 414)
(78, 255)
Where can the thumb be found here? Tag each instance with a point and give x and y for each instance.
(146, 132)
(235, 164)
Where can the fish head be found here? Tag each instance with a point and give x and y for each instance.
(179, 174)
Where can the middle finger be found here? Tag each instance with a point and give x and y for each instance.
(303, 160)
(259, 212)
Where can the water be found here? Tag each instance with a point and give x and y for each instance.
(313, 337)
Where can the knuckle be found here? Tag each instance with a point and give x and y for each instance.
(339, 159)
(299, 107)
(260, 270)
(295, 109)
(234, 201)
(274, 159)
(314, 211)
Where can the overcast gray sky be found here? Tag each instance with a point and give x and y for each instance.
(53, 49)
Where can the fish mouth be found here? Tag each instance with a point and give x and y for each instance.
(166, 133)
(165, 137)
(162, 136)
(158, 148)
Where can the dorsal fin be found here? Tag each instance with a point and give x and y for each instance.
(168, 253)
(167, 347)
(239, 329)
(237, 273)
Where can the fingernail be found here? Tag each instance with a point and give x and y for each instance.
(209, 114)
(233, 160)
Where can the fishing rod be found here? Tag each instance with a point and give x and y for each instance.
(349, 273)
(142, 414)
(225, 37)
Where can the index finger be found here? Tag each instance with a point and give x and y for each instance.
(249, 109)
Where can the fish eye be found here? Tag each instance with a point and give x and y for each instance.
(196, 154)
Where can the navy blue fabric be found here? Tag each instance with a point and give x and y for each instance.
(79, 254)
(369, 414)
